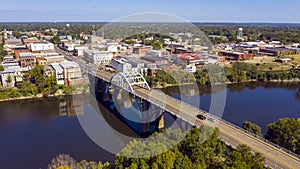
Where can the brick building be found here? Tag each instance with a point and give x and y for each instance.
(19, 50)
(27, 59)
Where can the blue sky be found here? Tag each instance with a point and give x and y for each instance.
(191, 10)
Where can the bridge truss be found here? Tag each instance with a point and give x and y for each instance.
(127, 81)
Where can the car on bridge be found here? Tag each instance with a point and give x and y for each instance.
(211, 119)
(201, 117)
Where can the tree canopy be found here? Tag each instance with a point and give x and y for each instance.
(252, 128)
(286, 133)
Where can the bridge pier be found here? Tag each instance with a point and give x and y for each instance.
(160, 122)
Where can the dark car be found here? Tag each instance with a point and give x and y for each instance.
(201, 117)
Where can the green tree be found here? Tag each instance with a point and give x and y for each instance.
(242, 157)
(9, 79)
(286, 133)
(252, 128)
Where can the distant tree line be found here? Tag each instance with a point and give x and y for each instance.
(213, 74)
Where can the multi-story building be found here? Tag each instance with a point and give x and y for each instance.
(142, 50)
(237, 55)
(27, 41)
(54, 59)
(27, 59)
(13, 75)
(72, 73)
(98, 57)
(59, 73)
(155, 60)
(18, 50)
(121, 65)
(78, 50)
(41, 46)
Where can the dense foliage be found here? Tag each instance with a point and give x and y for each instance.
(243, 72)
(189, 153)
(213, 74)
(285, 33)
(34, 83)
(252, 128)
(64, 161)
(286, 133)
(197, 149)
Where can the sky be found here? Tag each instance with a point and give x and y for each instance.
(273, 11)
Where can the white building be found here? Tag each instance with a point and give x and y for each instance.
(190, 68)
(59, 73)
(78, 51)
(121, 65)
(41, 46)
(72, 73)
(98, 57)
(12, 75)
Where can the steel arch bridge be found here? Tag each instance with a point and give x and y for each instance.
(127, 81)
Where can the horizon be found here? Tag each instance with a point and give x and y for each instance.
(194, 11)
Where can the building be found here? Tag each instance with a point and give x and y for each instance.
(240, 34)
(155, 60)
(284, 60)
(13, 75)
(158, 53)
(142, 50)
(53, 59)
(121, 65)
(66, 37)
(41, 46)
(190, 68)
(72, 73)
(27, 41)
(178, 49)
(68, 46)
(277, 51)
(18, 50)
(190, 58)
(94, 39)
(49, 71)
(98, 57)
(27, 59)
(59, 73)
(237, 55)
(78, 50)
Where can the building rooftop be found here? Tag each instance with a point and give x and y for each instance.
(68, 64)
(13, 69)
(26, 54)
(121, 60)
(57, 67)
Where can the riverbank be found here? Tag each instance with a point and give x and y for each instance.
(40, 96)
(78, 92)
(230, 83)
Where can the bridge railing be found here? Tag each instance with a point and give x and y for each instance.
(262, 139)
(182, 102)
(240, 128)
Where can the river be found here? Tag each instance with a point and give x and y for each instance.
(32, 132)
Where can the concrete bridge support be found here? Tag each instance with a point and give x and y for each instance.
(160, 122)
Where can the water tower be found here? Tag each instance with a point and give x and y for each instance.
(240, 34)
